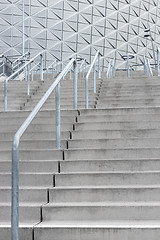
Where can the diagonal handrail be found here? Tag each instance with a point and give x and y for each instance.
(94, 76)
(22, 129)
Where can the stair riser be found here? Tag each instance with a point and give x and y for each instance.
(31, 166)
(33, 155)
(26, 196)
(104, 154)
(113, 134)
(100, 213)
(109, 165)
(28, 180)
(107, 179)
(94, 233)
(26, 214)
(120, 143)
(103, 195)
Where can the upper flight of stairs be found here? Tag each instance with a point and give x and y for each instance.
(104, 183)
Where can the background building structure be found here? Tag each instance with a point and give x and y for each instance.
(68, 27)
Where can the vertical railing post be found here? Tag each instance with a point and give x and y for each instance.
(128, 71)
(99, 67)
(158, 68)
(32, 75)
(86, 91)
(15, 192)
(28, 81)
(41, 67)
(5, 95)
(94, 78)
(70, 74)
(75, 83)
(58, 131)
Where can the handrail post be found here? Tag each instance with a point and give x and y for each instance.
(41, 67)
(58, 125)
(94, 78)
(158, 68)
(5, 95)
(15, 191)
(99, 67)
(28, 81)
(86, 91)
(128, 71)
(75, 83)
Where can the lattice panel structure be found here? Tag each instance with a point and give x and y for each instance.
(80, 27)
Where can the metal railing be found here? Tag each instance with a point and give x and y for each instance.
(22, 129)
(5, 66)
(97, 56)
(24, 68)
(16, 64)
(147, 67)
(52, 68)
(158, 67)
(111, 68)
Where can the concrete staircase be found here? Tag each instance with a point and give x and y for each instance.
(104, 183)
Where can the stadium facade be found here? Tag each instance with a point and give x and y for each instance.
(80, 27)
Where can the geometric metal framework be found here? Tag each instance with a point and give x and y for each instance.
(80, 27)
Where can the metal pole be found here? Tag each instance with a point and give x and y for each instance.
(99, 68)
(128, 72)
(75, 83)
(154, 56)
(15, 193)
(86, 92)
(28, 81)
(58, 131)
(5, 95)
(158, 70)
(23, 27)
(94, 78)
(41, 67)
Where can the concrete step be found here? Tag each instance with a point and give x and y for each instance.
(101, 211)
(25, 231)
(45, 154)
(33, 144)
(107, 179)
(35, 135)
(38, 127)
(118, 118)
(93, 230)
(117, 125)
(24, 114)
(37, 120)
(27, 214)
(115, 134)
(31, 180)
(110, 165)
(30, 196)
(113, 143)
(104, 154)
(32, 166)
(104, 194)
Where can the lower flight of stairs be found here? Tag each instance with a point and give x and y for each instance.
(104, 183)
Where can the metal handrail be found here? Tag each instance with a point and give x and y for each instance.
(94, 76)
(111, 68)
(147, 67)
(21, 57)
(22, 129)
(25, 66)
